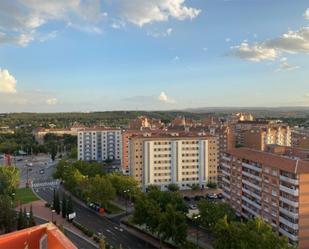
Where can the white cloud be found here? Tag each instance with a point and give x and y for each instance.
(291, 42)
(52, 101)
(20, 21)
(176, 58)
(285, 66)
(141, 12)
(165, 99)
(158, 34)
(306, 95)
(256, 52)
(227, 39)
(307, 14)
(7, 82)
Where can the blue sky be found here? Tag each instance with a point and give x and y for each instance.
(91, 55)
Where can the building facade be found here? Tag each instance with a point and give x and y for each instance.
(270, 186)
(164, 159)
(99, 144)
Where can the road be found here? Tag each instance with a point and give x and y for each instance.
(77, 241)
(111, 230)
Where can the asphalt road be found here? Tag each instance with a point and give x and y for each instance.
(110, 229)
(77, 241)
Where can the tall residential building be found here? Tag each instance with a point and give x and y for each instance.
(181, 159)
(300, 138)
(259, 136)
(99, 144)
(270, 186)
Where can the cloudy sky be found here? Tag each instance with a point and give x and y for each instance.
(87, 55)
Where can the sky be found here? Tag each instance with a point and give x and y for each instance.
(98, 55)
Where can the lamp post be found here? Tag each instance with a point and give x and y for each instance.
(196, 218)
(126, 191)
(53, 211)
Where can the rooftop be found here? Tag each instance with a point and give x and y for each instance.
(285, 163)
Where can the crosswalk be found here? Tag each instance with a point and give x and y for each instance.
(54, 183)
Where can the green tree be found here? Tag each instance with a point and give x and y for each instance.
(20, 220)
(64, 206)
(212, 212)
(9, 177)
(56, 202)
(26, 221)
(253, 234)
(70, 208)
(173, 187)
(31, 218)
(101, 190)
(7, 214)
(173, 225)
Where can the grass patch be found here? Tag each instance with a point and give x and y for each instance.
(24, 196)
(113, 209)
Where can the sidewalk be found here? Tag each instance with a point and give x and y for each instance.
(45, 213)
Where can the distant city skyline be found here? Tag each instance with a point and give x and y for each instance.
(81, 55)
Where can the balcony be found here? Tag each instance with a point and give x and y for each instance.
(251, 202)
(290, 180)
(226, 195)
(225, 172)
(287, 234)
(251, 175)
(287, 201)
(294, 192)
(225, 165)
(226, 158)
(292, 225)
(225, 180)
(251, 193)
(250, 210)
(251, 185)
(288, 213)
(226, 188)
(249, 166)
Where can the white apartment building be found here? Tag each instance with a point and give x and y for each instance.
(165, 159)
(99, 144)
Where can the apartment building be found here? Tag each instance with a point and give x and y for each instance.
(300, 138)
(270, 186)
(99, 144)
(173, 158)
(259, 136)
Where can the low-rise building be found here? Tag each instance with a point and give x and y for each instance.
(173, 158)
(274, 187)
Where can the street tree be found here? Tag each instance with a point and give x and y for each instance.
(20, 220)
(7, 214)
(31, 221)
(9, 177)
(64, 206)
(173, 187)
(212, 212)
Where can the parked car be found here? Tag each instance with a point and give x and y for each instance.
(186, 198)
(220, 196)
(193, 206)
(212, 196)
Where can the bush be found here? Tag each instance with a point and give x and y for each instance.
(211, 185)
(85, 230)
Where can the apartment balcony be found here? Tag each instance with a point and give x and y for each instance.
(288, 213)
(289, 235)
(251, 175)
(225, 172)
(226, 195)
(226, 158)
(251, 193)
(225, 165)
(251, 202)
(250, 210)
(225, 180)
(249, 166)
(226, 188)
(251, 185)
(290, 180)
(292, 225)
(288, 201)
(294, 192)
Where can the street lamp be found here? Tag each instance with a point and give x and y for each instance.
(126, 191)
(196, 218)
(53, 211)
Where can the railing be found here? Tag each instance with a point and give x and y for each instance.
(289, 235)
(249, 166)
(251, 202)
(294, 192)
(287, 201)
(251, 184)
(288, 213)
(290, 180)
(251, 175)
(288, 223)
